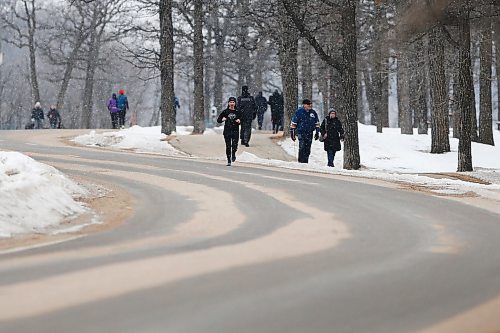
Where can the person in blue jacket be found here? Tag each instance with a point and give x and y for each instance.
(305, 122)
(122, 104)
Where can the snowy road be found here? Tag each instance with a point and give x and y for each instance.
(250, 249)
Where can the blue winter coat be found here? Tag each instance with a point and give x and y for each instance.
(122, 103)
(305, 121)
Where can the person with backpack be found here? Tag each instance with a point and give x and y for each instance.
(331, 133)
(231, 117)
(113, 110)
(122, 104)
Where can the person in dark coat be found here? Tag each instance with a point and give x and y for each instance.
(37, 116)
(113, 110)
(332, 133)
(54, 117)
(246, 104)
(122, 104)
(231, 117)
(277, 110)
(305, 121)
(261, 102)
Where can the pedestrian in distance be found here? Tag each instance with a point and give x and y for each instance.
(54, 117)
(261, 102)
(122, 104)
(37, 116)
(276, 103)
(246, 104)
(231, 117)
(113, 110)
(305, 122)
(331, 134)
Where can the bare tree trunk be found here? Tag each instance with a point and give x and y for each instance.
(70, 65)
(497, 64)
(439, 118)
(31, 21)
(199, 114)
(220, 35)
(244, 63)
(465, 94)
(405, 115)
(384, 69)
(288, 63)
(486, 108)
(208, 61)
(167, 107)
(323, 78)
(91, 64)
(348, 78)
(306, 66)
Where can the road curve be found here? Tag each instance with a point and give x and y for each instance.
(207, 248)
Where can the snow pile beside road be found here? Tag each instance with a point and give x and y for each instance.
(34, 196)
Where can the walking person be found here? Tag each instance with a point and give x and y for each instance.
(246, 104)
(277, 110)
(261, 102)
(332, 133)
(305, 121)
(54, 117)
(37, 116)
(113, 110)
(122, 104)
(231, 117)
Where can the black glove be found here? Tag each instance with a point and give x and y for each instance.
(316, 136)
(292, 134)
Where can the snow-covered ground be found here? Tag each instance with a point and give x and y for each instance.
(34, 196)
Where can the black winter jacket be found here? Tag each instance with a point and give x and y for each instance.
(334, 133)
(248, 107)
(231, 127)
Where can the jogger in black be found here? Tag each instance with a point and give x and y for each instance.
(232, 118)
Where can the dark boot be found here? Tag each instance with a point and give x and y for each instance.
(228, 161)
(233, 157)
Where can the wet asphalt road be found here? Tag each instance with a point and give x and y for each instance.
(411, 260)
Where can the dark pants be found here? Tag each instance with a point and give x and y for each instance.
(331, 155)
(260, 119)
(304, 148)
(38, 123)
(276, 120)
(246, 132)
(114, 118)
(231, 145)
(121, 118)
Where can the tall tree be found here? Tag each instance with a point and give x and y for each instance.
(20, 18)
(405, 113)
(167, 104)
(440, 142)
(199, 113)
(465, 86)
(288, 48)
(345, 65)
(485, 78)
